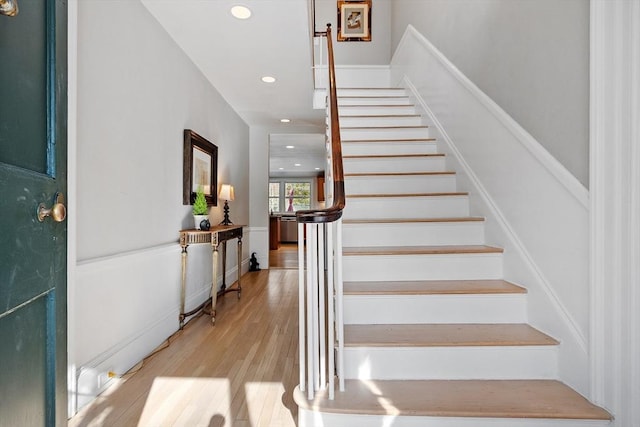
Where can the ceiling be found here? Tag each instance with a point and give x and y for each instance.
(307, 151)
(234, 54)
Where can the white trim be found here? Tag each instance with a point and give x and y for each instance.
(615, 207)
(502, 221)
(573, 186)
(116, 257)
(597, 185)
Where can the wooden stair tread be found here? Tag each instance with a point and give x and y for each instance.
(342, 107)
(383, 127)
(445, 335)
(400, 173)
(369, 88)
(349, 141)
(371, 96)
(412, 220)
(389, 156)
(421, 250)
(458, 398)
(433, 287)
(377, 116)
(362, 196)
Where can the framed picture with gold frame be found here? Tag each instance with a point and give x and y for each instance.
(354, 21)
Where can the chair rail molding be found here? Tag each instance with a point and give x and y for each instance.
(615, 208)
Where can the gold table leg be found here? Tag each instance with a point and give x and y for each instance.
(184, 283)
(239, 264)
(214, 279)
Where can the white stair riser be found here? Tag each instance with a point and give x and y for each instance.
(307, 418)
(408, 309)
(401, 100)
(376, 110)
(394, 184)
(451, 363)
(394, 164)
(388, 147)
(378, 121)
(413, 234)
(383, 133)
(406, 207)
(360, 268)
(371, 92)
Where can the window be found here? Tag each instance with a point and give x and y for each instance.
(289, 196)
(297, 196)
(274, 197)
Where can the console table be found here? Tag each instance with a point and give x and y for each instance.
(217, 236)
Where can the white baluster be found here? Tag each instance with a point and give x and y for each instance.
(301, 322)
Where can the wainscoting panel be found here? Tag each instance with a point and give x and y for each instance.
(127, 305)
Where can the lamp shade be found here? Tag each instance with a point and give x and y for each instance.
(226, 192)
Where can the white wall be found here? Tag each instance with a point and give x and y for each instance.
(375, 52)
(137, 91)
(530, 56)
(259, 214)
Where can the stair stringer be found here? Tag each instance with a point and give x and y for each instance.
(546, 311)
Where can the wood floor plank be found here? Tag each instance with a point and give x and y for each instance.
(217, 375)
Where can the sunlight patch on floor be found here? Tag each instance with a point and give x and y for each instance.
(263, 398)
(208, 402)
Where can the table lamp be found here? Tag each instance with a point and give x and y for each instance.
(226, 194)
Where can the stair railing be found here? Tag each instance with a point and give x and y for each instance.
(321, 324)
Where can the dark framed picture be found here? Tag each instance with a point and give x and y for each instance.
(200, 169)
(354, 21)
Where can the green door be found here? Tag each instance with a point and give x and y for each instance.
(33, 312)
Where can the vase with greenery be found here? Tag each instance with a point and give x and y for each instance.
(199, 208)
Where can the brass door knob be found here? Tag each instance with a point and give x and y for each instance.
(57, 212)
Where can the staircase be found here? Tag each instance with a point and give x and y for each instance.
(433, 334)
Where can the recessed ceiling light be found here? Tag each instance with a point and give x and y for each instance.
(285, 120)
(268, 79)
(241, 12)
(297, 164)
(280, 169)
(290, 146)
(317, 169)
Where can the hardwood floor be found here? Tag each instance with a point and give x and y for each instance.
(285, 257)
(239, 373)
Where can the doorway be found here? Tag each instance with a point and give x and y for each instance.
(285, 257)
